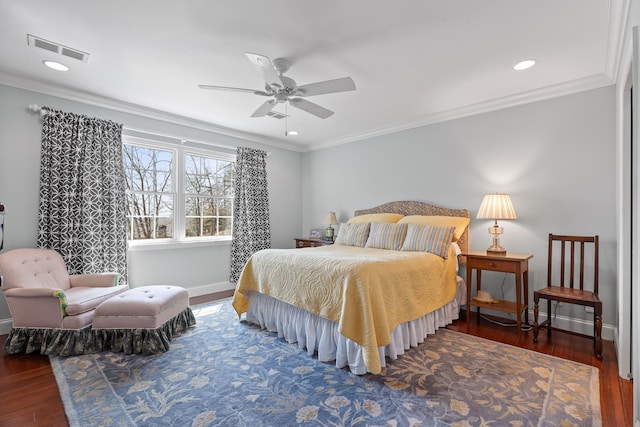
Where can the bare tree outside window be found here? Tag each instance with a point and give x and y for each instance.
(150, 199)
(208, 196)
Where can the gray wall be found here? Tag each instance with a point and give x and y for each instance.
(199, 268)
(556, 158)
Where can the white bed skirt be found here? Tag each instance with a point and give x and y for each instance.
(320, 335)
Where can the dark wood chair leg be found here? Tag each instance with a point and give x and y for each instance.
(598, 326)
(535, 318)
(549, 318)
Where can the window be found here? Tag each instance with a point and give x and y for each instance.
(208, 196)
(177, 193)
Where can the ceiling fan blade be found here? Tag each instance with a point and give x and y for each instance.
(266, 69)
(235, 89)
(330, 86)
(264, 108)
(311, 108)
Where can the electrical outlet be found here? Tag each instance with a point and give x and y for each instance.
(588, 309)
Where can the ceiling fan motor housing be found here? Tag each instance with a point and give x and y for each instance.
(289, 84)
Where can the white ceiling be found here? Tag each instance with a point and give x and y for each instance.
(414, 62)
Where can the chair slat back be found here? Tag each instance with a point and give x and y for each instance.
(576, 263)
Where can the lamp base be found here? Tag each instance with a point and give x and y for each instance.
(495, 248)
(496, 251)
(329, 233)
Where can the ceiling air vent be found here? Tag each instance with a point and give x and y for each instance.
(276, 115)
(57, 48)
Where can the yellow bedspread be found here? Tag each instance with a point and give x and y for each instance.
(368, 292)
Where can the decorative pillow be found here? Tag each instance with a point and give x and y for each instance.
(379, 217)
(428, 238)
(353, 234)
(384, 235)
(460, 223)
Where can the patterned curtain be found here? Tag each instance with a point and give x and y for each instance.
(251, 229)
(82, 192)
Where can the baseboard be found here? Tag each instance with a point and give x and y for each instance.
(578, 326)
(212, 288)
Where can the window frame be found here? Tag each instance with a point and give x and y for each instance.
(179, 152)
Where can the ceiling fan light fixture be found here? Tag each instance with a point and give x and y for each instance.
(524, 65)
(56, 65)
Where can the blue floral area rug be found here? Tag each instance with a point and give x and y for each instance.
(228, 373)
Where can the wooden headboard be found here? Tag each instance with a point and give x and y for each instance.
(409, 207)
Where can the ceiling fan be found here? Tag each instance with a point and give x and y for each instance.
(282, 89)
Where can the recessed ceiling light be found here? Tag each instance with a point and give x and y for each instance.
(292, 133)
(523, 65)
(56, 65)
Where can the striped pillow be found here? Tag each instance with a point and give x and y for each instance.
(385, 235)
(429, 238)
(353, 234)
(460, 223)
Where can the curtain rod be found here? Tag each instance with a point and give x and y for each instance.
(37, 109)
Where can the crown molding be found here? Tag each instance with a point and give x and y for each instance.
(618, 20)
(553, 91)
(26, 82)
(567, 88)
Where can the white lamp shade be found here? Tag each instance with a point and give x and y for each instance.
(496, 206)
(330, 218)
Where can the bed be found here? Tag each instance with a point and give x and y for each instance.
(389, 280)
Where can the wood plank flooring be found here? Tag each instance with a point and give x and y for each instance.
(30, 397)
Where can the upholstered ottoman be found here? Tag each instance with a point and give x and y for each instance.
(142, 320)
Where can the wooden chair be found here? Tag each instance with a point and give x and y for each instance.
(570, 264)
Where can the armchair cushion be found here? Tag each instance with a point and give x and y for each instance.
(81, 300)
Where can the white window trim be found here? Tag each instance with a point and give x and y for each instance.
(177, 188)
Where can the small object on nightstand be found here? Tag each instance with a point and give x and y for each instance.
(330, 219)
(315, 234)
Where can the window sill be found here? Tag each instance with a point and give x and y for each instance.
(170, 245)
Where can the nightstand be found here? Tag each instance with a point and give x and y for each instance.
(311, 243)
(517, 264)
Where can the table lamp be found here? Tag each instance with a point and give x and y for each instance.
(496, 206)
(330, 219)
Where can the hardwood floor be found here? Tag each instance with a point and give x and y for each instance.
(29, 393)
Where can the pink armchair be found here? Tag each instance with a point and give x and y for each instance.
(51, 310)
